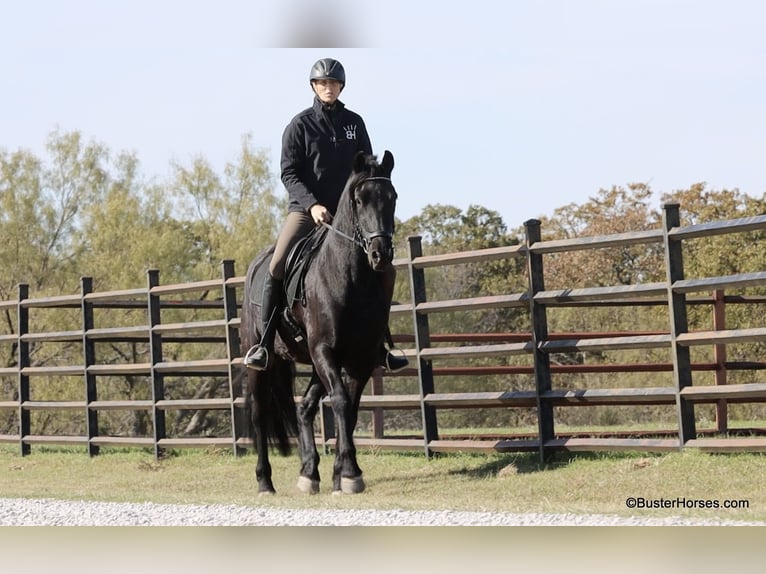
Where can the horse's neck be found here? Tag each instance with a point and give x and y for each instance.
(345, 253)
(342, 260)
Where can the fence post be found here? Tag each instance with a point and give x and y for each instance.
(22, 314)
(155, 347)
(89, 358)
(682, 368)
(719, 353)
(539, 323)
(232, 348)
(422, 341)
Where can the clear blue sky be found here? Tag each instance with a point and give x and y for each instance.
(521, 107)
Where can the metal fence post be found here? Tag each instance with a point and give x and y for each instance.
(682, 368)
(89, 358)
(155, 346)
(22, 314)
(539, 326)
(422, 341)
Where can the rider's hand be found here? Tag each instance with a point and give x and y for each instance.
(320, 214)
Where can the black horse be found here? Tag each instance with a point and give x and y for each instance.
(341, 318)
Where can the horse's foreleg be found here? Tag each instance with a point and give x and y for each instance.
(355, 484)
(307, 410)
(347, 476)
(346, 471)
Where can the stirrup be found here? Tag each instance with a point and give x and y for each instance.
(248, 359)
(395, 363)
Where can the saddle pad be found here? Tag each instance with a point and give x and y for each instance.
(292, 289)
(255, 289)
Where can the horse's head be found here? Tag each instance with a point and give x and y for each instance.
(373, 202)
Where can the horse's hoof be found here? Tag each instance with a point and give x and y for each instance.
(351, 485)
(308, 485)
(266, 493)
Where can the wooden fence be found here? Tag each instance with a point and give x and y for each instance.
(426, 353)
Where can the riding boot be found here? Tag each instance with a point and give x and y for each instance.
(258, 356)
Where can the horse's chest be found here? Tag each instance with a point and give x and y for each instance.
(355, 318)
(369, 314)
(347, 309)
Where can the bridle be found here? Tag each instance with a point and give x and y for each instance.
(361, 237)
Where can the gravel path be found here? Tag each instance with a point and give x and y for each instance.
(27, 512)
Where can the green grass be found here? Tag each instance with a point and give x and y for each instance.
(583, 483)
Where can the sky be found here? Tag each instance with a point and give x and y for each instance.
(520, 107)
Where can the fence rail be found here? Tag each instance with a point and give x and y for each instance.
(426, 350)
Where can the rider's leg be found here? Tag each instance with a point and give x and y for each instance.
(258, 357)
(296, 225)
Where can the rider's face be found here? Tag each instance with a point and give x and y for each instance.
(327, 90)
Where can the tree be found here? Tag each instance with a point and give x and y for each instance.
(233, 217)
(42, 206)
(83, 211)
(446, 229)
(721, 254)
(616, 210)
(41, 209)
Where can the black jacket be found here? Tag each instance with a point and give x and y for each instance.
(318, 146)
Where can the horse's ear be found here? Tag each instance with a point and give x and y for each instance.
(388, 162)
(360, 162)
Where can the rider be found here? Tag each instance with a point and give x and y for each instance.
(318, 146)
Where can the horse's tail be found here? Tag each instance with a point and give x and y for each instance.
(243, 424)
(283, 416)
(270, 401)
(269, 397)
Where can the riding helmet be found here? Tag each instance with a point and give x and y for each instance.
(328, 69)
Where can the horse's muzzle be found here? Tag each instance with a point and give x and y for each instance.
(380, 253)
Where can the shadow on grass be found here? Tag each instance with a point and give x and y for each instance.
(528, 463)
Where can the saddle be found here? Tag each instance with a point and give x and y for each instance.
(294, 286)
(297, 265)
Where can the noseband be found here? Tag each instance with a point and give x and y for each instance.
(362, 237)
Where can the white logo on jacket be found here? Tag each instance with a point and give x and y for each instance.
(350, 131)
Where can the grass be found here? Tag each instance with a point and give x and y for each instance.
(582, 483)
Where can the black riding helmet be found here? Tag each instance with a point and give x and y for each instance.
(328, 69)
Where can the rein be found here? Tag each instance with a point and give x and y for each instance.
(361, 238)
(343, 235)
